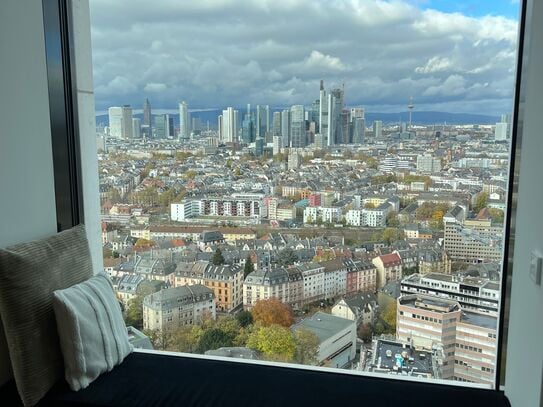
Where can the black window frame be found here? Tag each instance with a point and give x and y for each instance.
(68, 175)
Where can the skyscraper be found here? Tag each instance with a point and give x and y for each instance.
(184, 121)
(115, 122)
(248, 129)
(500, 132)
(335, 107)
(147, 126)
(136, 128)
(276, 124)
(163, 126)
(229, 125)
(377, 129)
(285, 127)
(120, 122)
(358, 125)
(358, 130)
(323, 115)
(262, 120)
(297, 126)
(127, 122)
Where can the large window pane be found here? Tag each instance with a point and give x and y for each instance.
(322, 183)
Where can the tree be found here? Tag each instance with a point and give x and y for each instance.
(287, 257)
(134, 311)
(496, 215)
(369, 205)
(248, 268)
(184, 339)
(272, 312)
(190, 174)
(244, 318)
(214, 338)
(319, 220)
(307, 347)
(218, 258)
(364, 332)
(390, 235)
(389, 317)
(392, 219)
(480, 201)
(160, 339)
(274, 342)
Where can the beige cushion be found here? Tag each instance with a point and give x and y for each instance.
(29, 273)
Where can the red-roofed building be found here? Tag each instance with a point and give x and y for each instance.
(389, 268)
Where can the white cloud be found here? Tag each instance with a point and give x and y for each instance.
(233, 52)
(434, 64)
(155, 87)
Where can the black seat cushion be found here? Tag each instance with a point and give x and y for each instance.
(161, 380)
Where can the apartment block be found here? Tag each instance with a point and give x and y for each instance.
(389, 268)
(226, 281)
(179, 306)
(264, 284)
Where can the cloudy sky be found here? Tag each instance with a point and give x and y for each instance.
(449, 56)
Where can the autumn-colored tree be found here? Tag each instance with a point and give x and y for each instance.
(369, 205)
(142, 243)
(274, 342)
(390, 235)
(272, 312)
(307, 347)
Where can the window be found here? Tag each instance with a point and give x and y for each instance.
(197, 139)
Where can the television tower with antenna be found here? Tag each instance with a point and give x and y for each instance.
(410, 106)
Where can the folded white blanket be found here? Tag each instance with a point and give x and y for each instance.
(93, 335)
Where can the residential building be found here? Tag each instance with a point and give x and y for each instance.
(377, 129)
(389, 268)
(264, 284)
(178, 306)
(428, 163)
(313, 280)
(312, 214)
(360, 307)
(226, 281)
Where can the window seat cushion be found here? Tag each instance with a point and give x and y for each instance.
(162, 380)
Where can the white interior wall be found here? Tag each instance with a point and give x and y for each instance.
(523, 382)
(27, 199)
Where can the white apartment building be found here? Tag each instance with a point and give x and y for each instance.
(313, 280)
(185, 210)
(327, 214)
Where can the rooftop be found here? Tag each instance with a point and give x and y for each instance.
(399, 357)
(323, 325)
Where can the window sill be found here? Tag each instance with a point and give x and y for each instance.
(145, 379)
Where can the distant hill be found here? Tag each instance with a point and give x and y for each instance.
(423, 118)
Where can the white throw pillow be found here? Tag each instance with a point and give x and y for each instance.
(93, 335)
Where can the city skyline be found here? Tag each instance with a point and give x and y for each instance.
(448, 60)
